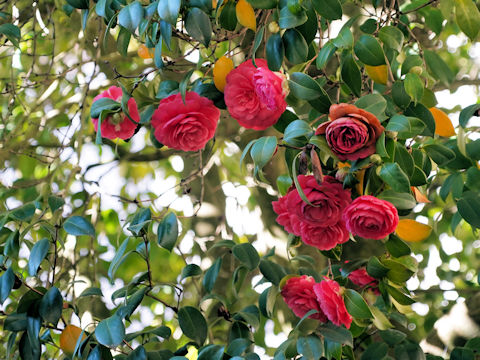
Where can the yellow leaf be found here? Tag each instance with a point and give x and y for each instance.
(421, 198)
(443, 124)
(220, 71)
(412, 231)
(69, 337)
(378, 74)
(246, 15)
(360, 175)
(145, 53)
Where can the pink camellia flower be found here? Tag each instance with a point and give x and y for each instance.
(371, 218)
(329, 295)
(329, 199)
(351, 132)
(324, 238)
(255, 96)
(298, 294)
(361, 278)
(289, 221)
(117, 125)
(185, 126)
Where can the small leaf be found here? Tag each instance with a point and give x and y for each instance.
(272, 271)
(167, 231)
(91, 291)
(247, 254)
(103, 104)
(325, 54)
(414, 86)
(55, 202)
(37, 254)
(211, 352)
(78, 225)
(6, 284)
(288, 20)
(23, 213)
(191, 270)
(351, 75)
(211, 275)
(12, 32)
(263, 150)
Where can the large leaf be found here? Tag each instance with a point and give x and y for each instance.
(351, 75)
(438, 68)
(78, 225)
(12, 32)
(356, 305)
(394, 176)
(168, 10)
(329, 9)
(247, 255)
(111, 331)
(131, 16)
(263, 150)
(193, 324)
(167, 231)
(275, 51)
(6, 284)
(51, 306)
(392, 37)
(288, 20)
(468, 17)
(469, 208)
(198, 25)
(369, 51)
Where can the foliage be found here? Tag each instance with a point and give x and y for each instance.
(145, 247)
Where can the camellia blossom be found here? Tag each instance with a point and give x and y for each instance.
(351, 132)
(255, 95)
(371, 218)
(298, 294)
(319, 223)
(117, 125)
(185, 126)
(361, 278)
(329, 295)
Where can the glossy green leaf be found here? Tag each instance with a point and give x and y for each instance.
(211, 275)
(228, 16)
(369, 51)
(191, 270)
(11, 32)
(296, 48)
(310, 347)
(275, 51)
(356, 305)
(438, 68)
(193, 324)
(325, 54)
(198, 25)
(467, 17)
(111, 331)
(414, 86)
(288, 20)
(247, 255)
(23, 213)
(351, 75)
(329, 9)
(6, 284)
(402, 201)
(167, 231)
(336, 334)
(394, 176)
(376, 351)
(168, 10)
(130, 16)
(272, 271)
(37, 254)
(440, 154)
(469, 208)
(392, 37)
(263, 150)
(211, 352)
(51, 306)
(78, 225)
(296, 132)
(55, 202)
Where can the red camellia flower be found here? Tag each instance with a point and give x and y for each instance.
(329, 295)
(324, 238)
(255, 96)
(117, 125)
(185, 126)
(328, 200)
(298, 294)
(371, 218)
(351, 132)
(361, 278)
(319, 223)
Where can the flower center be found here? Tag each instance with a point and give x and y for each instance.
(116, 119)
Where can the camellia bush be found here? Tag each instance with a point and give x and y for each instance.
(251, 179)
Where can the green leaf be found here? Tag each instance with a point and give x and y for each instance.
(394, 176)
(247, 255)
(228, 16)
(55, 202)
(467, 113)
(414, 86)
(404, 159)
(288, 20)
(138, 354)
(406, 127)
(103, 104)
(78, 225)
(211, 352)
(193, 324)
(402, 201)
(23, 213)
(396, 247)
(392, 337)
(12, 33)
(344, 39)
(283, 184)
(133, 302)
(376, 351)
(399, 296)
(274, 49)
(369, 51)
(37, 254)
(422, 113)
(78, 4)
(12, 245)
(328, 9)
(51, 306)
(211, 275)
(130, 16)
(392, 37)
(91, 291)
(438, 68)
(191, 270)
(411, 61)
(257, 41)
(198, 25)
(168, 10)
(6, 284)
(118, 259)
(399, 95)
(296, 131)
(272, 271)
(469, 208)
(167, 231)
(310, 347)
(373, 103)
(140, 221)
(15, 322)
(336, 334)
(238, 346)
(111, 331)
(304, 87)
(356, 305)
(440, 154)
(461, 353)
(296, 48)
(375, 268)
(467, 17)
(263, 150)
(325, 54)
(351, 75)
(473, 344)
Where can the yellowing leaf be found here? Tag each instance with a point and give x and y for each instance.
(192, 353)
(412, 231)
(443, 124)
(379, 74)
(220, 71)
(69, 337)
(360, 175)
(145, 53)
(421, 198)
(246, 15)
